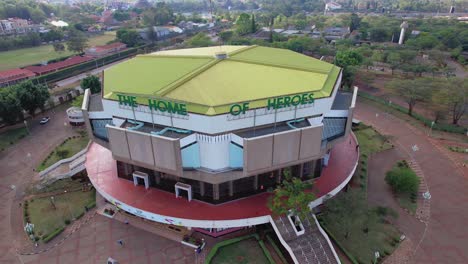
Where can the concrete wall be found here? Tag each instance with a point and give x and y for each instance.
(142, 149)
(267, 153)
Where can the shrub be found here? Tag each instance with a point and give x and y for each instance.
(56, 232)
(402, 180)
(63, 153)
(67, 221)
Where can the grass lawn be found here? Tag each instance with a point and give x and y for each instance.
(23, 57)
(70, 147)
(11, 137)
(243, 252)
(68, 206)
(370, 141)
(380, 236)
(407, 202)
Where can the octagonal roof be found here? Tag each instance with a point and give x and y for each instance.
(209, 85)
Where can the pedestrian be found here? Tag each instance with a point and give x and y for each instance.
(126, 221)
(120, 241)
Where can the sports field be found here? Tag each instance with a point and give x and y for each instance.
(23, 57)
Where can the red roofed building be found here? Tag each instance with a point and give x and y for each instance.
(100, 51)
(52, 67)
(10, 77)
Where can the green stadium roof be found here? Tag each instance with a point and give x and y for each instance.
(210, 86)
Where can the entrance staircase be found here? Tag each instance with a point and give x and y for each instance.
(313, 247)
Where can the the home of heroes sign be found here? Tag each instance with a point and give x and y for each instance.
(235, 109)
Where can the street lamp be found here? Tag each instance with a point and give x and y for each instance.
(376, 256)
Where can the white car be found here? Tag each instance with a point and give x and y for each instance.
(44, 120)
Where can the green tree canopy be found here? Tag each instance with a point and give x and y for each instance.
(199, 40)
(92, 83)
(243, 24)
(77, 41)
(292, 196)
(10, 108)
(32, 96)
(412, 91)
(453, 98)
(128, 36)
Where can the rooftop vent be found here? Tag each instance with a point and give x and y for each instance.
(221, 55)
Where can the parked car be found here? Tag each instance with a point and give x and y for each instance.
(44, 120)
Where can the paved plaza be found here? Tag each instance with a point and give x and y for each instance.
(97, 240)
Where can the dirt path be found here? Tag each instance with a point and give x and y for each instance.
(380, 193)
(445, 239)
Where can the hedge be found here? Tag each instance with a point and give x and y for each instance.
(278, 251)
(350, 257)
(428, 122)
(91, 204)
(224, 243)
(55, 233)
(266, 252)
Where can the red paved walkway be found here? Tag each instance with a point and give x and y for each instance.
(102, 171)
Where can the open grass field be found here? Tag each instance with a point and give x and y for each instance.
(11, 137)
(242, 252)
(23, 57)
(68, 206)
(67, 149)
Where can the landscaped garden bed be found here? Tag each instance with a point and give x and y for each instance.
(66, 149)
(50, 214)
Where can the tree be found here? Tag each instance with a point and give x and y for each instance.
(91, 82)
(152, 34)
(32, 96)
(243, 24)
(59, 47)
(121, 16)
(292, 196)
(412, 91)
(128, 36)
(160, 15)
(355, 22)
(199, 40)
(349, 60)
(77, 41)
(10, 108)
(253, 25)
(379, 34)
(394, 60)
(453, 98)
(225, 36)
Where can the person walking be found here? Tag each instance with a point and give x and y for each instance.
(120, 242)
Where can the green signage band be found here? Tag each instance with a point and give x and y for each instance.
(155, 104)
(235, 109)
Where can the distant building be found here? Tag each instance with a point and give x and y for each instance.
(100, 51)
(52, 67)
(13, 76)
(332, 6)
(13, 26)
(335, 33)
